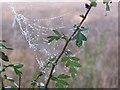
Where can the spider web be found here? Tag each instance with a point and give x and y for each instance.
(36, 27)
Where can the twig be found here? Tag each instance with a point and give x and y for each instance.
(3, 88)
(19, 82)
(66, 44)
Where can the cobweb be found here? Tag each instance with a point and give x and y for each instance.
(36, 25)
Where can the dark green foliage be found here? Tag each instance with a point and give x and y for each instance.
(94, 4)
(63, 76)
(16, 67)
(60, 80)
(4, 57)
(106, 2)
(2, 46)
(72, 63)
(57, 36)
(79, 38)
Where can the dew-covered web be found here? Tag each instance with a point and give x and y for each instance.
(37, 20)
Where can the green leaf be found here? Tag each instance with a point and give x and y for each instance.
(17, 65)
(106, 2)
(62, 82)
(51, 38)
(18, 72)
(63, 76)
(94, 4)
(4, 57)
(79, 42)
(54, 78)
(2, 46)
(56, 32)
(68, 52)
(79, 37)
(33, 84)
(82, 16)
(107, 7)
(76, 64)
(65, 38)
(9, 48)
(73, 71)
(75, 58)
(68, 63)
(59, 85)
(83, 37)
(64, 59)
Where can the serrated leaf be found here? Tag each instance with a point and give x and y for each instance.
(54, 78)
(51, 38)
(79, 37)
(17, 65)
(107, 7)
(56, 32)
(2, 46)
(64, 59)
(75, 64)
(18, 72)
(83, 37)
(62, 82)
(68, 63)
(79, 42)
(4, 57)
(106, 2)
(9, 48)
(73, 71)
(94, 4)
(63, 76)
(75, 58)
(59, 85)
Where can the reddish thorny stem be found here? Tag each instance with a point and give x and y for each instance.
(65, 46)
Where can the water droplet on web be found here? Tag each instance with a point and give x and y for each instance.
(36, 29)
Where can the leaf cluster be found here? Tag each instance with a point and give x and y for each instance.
(57, 36)
(60, 81)
(72, 63)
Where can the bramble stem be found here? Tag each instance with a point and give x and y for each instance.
(65, 46)
(19, 82)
